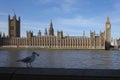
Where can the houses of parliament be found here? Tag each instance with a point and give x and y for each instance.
(49, 40)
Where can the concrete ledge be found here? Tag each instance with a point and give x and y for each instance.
(57, 74)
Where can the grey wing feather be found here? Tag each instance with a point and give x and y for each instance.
(27, 59)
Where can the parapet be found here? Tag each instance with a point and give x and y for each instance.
(58, 74)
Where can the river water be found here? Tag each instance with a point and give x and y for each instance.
(78, 59)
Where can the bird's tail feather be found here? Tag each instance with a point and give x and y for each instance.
(18, 60)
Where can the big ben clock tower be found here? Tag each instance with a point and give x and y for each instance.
(107, 34)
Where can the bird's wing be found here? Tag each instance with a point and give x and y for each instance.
(27, 59)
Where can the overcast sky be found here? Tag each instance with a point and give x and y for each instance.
(71, 16)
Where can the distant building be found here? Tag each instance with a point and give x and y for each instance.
(49, 40)
(118, 43)
(114, 43)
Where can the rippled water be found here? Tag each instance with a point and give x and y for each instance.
(82, 59)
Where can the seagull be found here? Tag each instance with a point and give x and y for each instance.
(28, 60)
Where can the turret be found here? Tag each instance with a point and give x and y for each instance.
(84, 34)
(45, 32)
(108, 20)
(19, 18)
(60, 34)
(29, 34)
(39, 33)
(92, 34)
(8, 17)
(14, 17)
(51, 30)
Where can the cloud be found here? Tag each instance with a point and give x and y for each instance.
(78, 21)
(38, 2)
(60, 5)
(68, 5)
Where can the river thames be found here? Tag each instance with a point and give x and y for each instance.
(78, 59)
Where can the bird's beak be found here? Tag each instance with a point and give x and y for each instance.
(37, 54)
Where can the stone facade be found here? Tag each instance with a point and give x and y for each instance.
(58, 41)
(13, 27)
(107, 34)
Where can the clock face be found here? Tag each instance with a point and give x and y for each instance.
(108, 26)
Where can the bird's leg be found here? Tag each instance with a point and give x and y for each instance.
(27, 65)
(30, 65)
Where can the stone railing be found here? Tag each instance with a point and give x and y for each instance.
(58, 74)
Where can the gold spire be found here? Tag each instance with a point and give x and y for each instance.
(108, 20)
